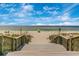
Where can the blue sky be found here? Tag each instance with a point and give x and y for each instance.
(39, 14)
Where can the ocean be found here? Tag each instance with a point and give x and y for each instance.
(47, 28)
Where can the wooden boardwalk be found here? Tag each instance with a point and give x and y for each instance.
(40, 46)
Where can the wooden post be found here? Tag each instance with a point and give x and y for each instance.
(68, 46)
(13, 44)
(71, 45)
(1, 44)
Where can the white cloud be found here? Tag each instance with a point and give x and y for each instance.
(39, 12)
(53, 12)
(47, 24)
(19, 14)
(29, 14)
(3, 15)
(76, 18)
(50, 8)
(25, 11)
(69, 23)
(65, 23)
(11, 10)
(3, 5)
(20, 20)
(44, 19)
(47, 8)
(39, 24)
(4, 23)
(43, 24)
(70, 7)
(64, 17)
(60, 24)
(26, 8)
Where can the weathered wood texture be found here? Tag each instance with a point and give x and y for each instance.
(11, 43)
(71, 44)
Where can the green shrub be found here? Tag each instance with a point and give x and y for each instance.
(51, 38)
(38, 30)
(28, 38)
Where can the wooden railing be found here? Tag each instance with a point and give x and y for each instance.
(8, 43)
(71, 44)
